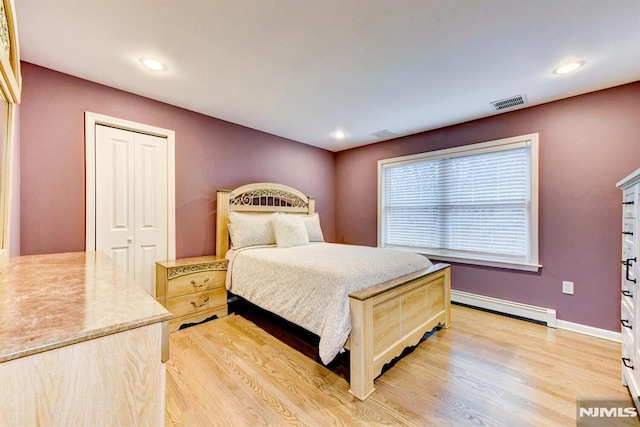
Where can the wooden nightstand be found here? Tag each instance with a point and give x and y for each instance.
(192, 289)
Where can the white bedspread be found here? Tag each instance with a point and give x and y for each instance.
(309, 285)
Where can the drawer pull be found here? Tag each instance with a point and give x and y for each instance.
(626, 323)
(627, 362)
(204, 302)
(204, 282)
(628, 203)
(630, 233)
(627, 293)
(627, 264)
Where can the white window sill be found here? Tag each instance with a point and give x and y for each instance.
(511, 265)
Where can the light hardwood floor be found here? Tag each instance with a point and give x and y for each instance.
(486, 370)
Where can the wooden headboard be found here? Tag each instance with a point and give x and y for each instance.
(258, 197)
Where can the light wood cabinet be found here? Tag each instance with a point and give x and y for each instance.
(630, 309)
(117, 379)
(87, 346)
(192, 289)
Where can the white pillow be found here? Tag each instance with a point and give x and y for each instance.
(248, 229)
(289, 231)
(312, 222)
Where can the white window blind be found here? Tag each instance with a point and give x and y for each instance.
(471, 204)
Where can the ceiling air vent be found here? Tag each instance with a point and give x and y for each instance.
(512, 101)
(384, 134)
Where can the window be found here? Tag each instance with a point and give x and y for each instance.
(475, 204)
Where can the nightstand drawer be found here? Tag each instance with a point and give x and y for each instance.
(195, 282)
(200, 301)
(192, 289)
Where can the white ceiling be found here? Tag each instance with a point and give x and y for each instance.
(303, 69)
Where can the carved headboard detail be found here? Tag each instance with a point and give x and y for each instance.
(258, 197)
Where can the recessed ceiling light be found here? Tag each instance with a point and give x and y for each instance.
(153, 64)
(339, 134)
(568, 67)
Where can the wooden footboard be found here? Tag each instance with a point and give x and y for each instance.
(387, 318)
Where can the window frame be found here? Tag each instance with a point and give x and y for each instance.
(530, 140)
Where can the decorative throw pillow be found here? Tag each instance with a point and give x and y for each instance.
(290, 231)
(312, 222)
(247, 229)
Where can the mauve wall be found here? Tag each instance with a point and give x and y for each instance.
(587, 144)
(210, 154)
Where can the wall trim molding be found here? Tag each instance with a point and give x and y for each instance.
(526, 311)
(543, 315)
(590, 330)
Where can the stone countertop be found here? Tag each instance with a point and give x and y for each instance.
(50, 301)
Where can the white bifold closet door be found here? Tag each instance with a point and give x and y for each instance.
(131, 201)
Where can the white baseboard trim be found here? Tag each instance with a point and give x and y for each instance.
(590, 330)
(526, 311)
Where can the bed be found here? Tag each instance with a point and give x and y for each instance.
(380, 308)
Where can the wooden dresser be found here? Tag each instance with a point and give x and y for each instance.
(630, 309)
(80, 344)
(192, 289)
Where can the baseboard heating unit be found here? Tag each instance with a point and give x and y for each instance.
(546, 316)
